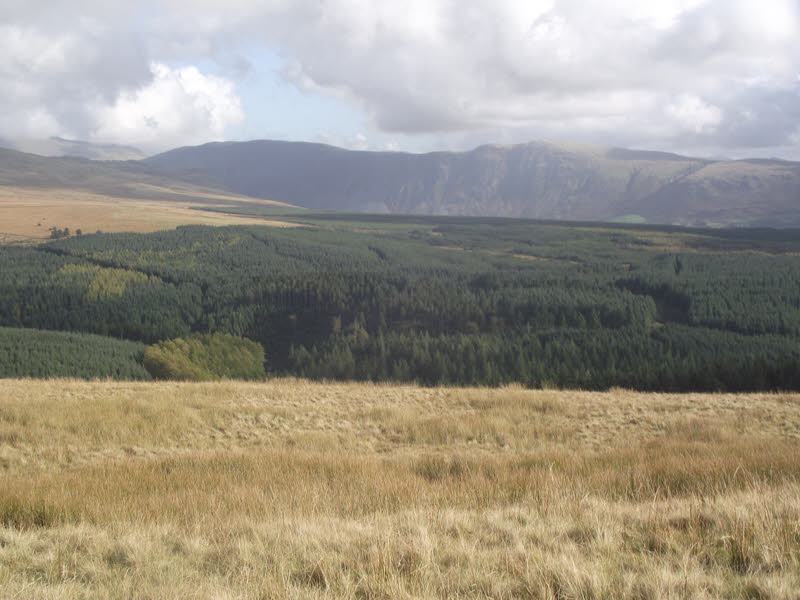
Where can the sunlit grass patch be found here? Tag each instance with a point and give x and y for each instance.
(293, 489)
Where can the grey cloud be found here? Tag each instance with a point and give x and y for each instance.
(580, 69)
(60, 62)
(759, 118)
(600, 71)
(91, 70)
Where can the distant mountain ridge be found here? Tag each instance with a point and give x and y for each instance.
(41, 196)
(57, 146)
(544, 180)
(125, 178)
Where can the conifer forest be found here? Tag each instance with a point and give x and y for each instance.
(433, 300)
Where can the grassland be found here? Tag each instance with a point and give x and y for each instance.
(27, 214)
(37, 193)
(290, 489)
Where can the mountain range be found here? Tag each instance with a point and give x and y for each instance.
(543, 180)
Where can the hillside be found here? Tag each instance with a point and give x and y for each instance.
(37, 193)
(56, 146)
(113, 178)
(47, 354)
(539, 180)
(290, 489)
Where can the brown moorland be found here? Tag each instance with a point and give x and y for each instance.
(27, 214)
(292, 489)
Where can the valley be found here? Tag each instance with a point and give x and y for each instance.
(434, 300)
(439, 405)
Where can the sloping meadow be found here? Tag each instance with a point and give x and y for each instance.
(298, 489)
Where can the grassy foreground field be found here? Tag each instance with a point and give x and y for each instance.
(290, 489)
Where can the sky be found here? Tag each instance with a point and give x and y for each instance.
(718, 78)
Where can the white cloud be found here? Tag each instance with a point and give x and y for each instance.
(694, 115)
(181, 106)
(672, 73)
(80, 71)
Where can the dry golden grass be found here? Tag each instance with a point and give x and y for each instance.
(26, 214)
(291, 489)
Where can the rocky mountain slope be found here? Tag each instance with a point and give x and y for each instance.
(539, 180)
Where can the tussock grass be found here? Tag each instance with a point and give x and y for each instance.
(301, 490)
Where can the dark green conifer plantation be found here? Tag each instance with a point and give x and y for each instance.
(436, 300)
(44, 354)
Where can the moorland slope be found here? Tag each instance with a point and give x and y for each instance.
(289, 489)
(37, 193)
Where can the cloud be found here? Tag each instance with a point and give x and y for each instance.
(712, 74)
(588, 69)
(664, 74)
(85, 72)
(177, 107)
(693, 114)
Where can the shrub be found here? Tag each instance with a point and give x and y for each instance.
(205, 357)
